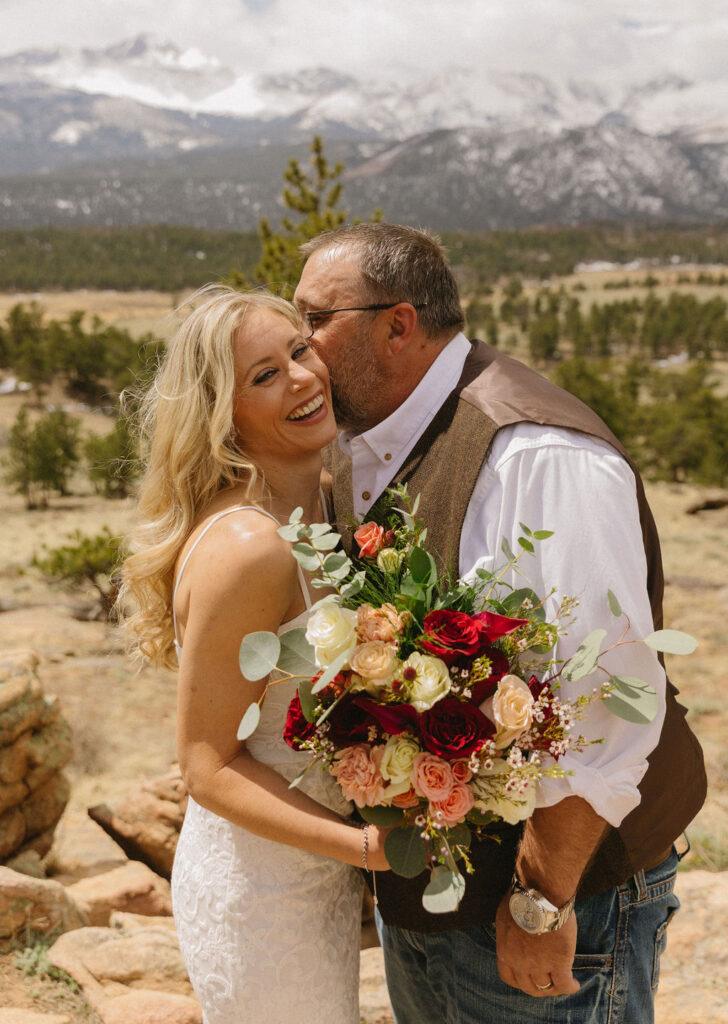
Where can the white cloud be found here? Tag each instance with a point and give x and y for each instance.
(615, 40)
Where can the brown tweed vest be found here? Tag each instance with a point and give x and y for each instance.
(495, 391)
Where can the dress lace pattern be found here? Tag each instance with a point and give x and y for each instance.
(269, 934)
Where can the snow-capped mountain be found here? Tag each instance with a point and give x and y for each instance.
(145, 131)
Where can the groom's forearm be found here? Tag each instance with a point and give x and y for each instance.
(558, 844)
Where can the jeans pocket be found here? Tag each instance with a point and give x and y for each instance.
(660, 946)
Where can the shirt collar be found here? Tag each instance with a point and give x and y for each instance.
(401, 430)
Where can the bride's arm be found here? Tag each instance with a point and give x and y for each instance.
(242, 578)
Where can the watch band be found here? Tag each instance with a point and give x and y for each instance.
(533, 912)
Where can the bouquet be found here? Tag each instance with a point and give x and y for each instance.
(434, 702)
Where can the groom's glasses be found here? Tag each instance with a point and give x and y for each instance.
(315, 318)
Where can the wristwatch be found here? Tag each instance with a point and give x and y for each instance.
(533, 912)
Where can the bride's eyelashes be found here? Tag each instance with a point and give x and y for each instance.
(265, 375)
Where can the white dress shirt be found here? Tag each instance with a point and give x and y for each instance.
(579, 487)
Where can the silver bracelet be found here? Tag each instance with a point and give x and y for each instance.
(365, 848)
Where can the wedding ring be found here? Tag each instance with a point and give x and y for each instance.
(544, 988)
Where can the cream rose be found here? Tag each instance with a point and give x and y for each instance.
(332, 631)
(389, 559)
(512, 710)
(427, 680)
(488, 788)
(398, 757)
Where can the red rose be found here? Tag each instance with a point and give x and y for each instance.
(349, 723)
(496, 626)
(451, 635)
(297, 728)
(393, 718)
(370, 539)
(453, 729)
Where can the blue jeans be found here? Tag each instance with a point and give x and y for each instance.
(452, 977)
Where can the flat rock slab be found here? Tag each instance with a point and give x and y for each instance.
(133, 887)
(136, 978)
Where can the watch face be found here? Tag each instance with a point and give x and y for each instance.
(527, 914)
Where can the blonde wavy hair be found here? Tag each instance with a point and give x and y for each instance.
(190, 452)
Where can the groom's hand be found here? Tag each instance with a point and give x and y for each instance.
(526, 961)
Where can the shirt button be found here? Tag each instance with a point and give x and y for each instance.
(388, 456)
(366, 495)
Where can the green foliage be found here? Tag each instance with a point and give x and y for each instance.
(162, 258)
(33, 961)
(112, 459)
(41, 456)
(86, 559)
(313, 196)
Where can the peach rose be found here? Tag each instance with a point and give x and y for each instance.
(461, 771)
(454, 807)
(357, 773)
(406, 800)
(369, 537)
(373, 660)
(378, 623)
(432, 777)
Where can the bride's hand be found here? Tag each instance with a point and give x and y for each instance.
(376, 858)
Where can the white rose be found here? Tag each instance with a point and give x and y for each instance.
(332, 631)
(512, 710)
(396, 764)
(488, 788)
(430, 683)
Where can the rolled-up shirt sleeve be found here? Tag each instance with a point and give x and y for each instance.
(580, 488)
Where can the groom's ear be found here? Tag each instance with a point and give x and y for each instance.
(402, 326)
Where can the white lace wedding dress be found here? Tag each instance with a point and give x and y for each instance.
(269, 934)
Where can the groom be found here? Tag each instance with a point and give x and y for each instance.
(565, 915)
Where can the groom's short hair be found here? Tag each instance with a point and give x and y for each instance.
(399, 264)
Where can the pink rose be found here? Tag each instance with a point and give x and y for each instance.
(432, 777)
(378, 623)
(454, 807)
(357, 772)
(461, 770)
(370, 539)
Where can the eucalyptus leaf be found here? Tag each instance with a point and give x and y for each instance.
(632, 699)
(335, 667)
(259, 653)
(296, 515)
(614, 605)
(352, 588)
(291, 532)
(406, 851)
(384, 816)
(297, 655)
(529, 533)
(415, 504)
(305, 697)
(326, 599)
(422, 565)
(512, 605)
(327, 542)
(458, 835)
(584, 660)
(506, 549)
(543, 534)
(478, 817)
(526, 544)
(306, 556)
(335, 562)
(444, 891)
(423, 536)
(249, 722)
(671, 641)
(299, 778)
(319, 529)
(319, 585)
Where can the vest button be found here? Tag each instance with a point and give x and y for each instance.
(366, 495)
(388, 456)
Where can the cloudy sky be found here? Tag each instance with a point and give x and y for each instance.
(400, 39)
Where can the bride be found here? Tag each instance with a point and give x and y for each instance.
(265, 893)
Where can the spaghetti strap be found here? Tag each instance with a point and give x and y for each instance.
(208, 526)
(219, 515)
